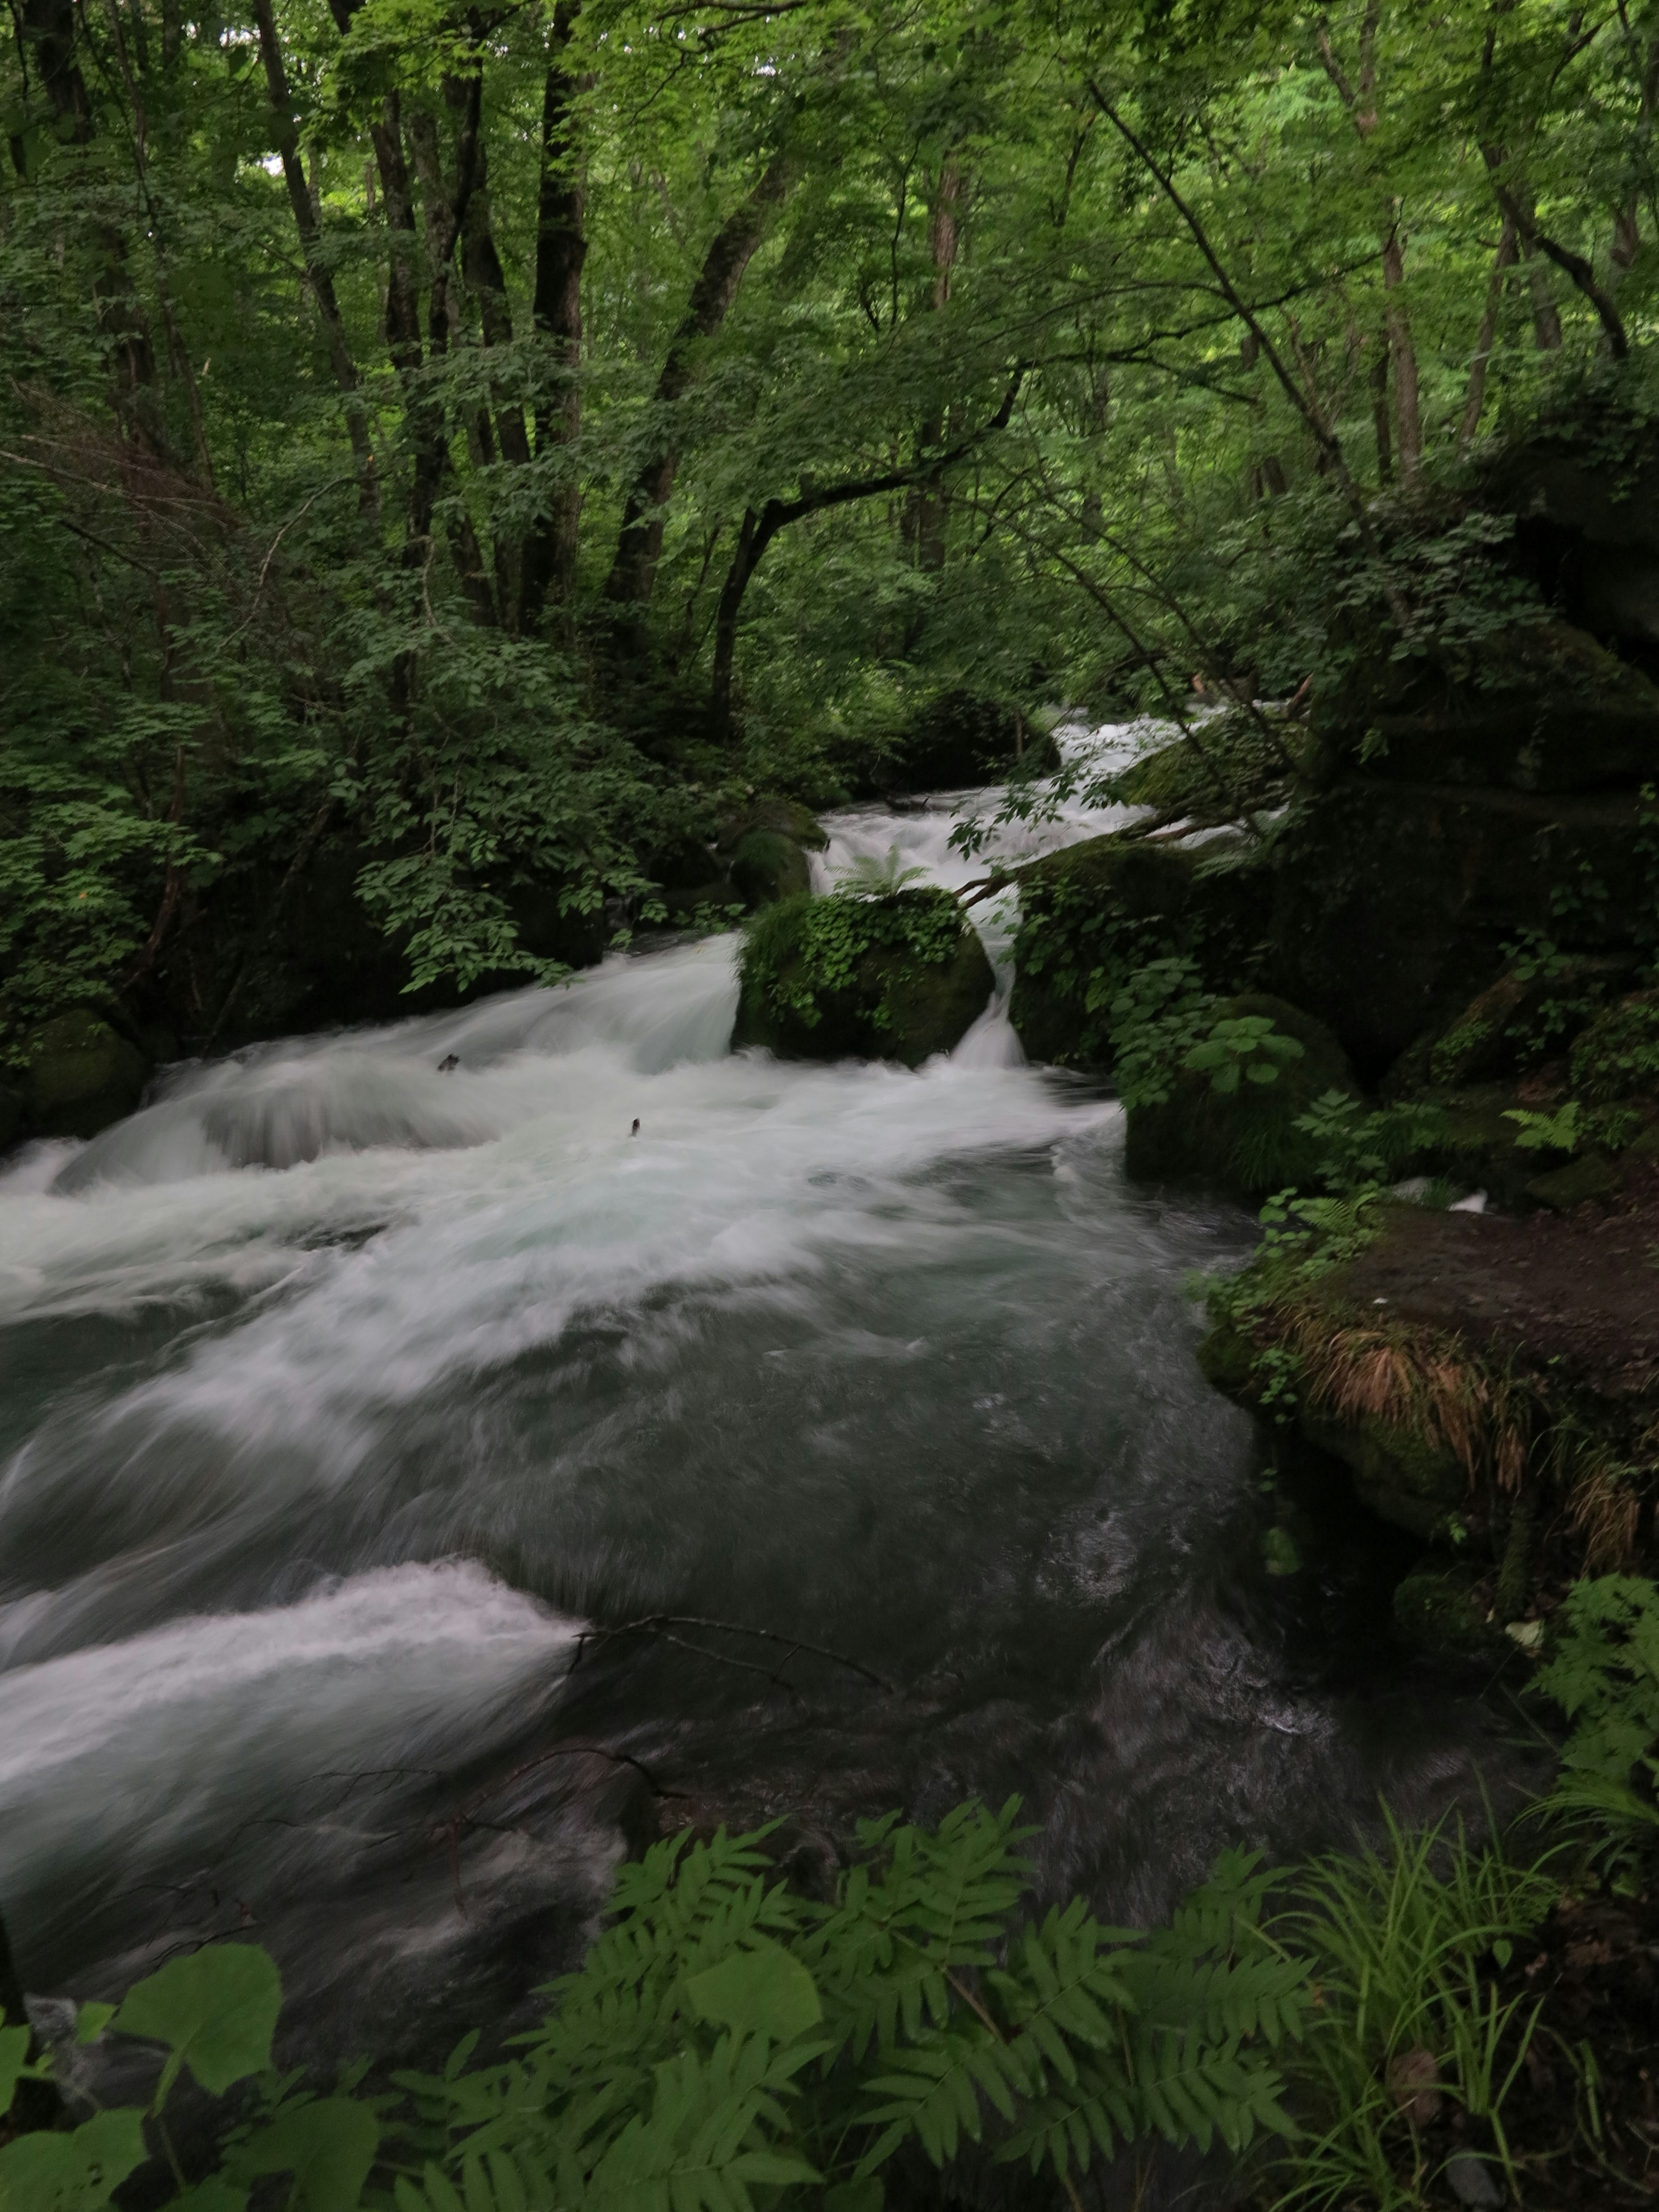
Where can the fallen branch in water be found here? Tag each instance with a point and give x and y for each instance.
(661, 1624)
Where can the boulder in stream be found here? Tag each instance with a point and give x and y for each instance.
(898, 976)
(1243, 1133)
(79, 1075)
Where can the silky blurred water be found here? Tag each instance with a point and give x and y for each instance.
(342, 1400)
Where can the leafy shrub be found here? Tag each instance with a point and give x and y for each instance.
(727, 2036)
(1604, 1676)
(1618, 1055)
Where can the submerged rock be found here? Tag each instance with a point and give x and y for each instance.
(904, 977)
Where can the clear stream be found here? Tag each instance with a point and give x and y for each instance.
(339, 1397)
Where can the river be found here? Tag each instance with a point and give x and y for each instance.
(349, 1407)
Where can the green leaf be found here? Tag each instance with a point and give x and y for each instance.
(214, 2194)
(215, 2011)
(864, 2196)
(46, 2172)
(14, 2058)
(91, 2021)
(763, 1989)
(328, 2147)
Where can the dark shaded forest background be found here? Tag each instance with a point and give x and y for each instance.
(451, 458)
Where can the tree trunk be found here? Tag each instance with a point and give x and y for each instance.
(47, 29)
(303, 202)
(1507, 244)
(924, 522)
(1381, 424)
(1402, 358)
(639, 547)
(550, 557)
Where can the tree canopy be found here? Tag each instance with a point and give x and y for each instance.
(474, 441)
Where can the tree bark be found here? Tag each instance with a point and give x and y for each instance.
(311, 247)
(1504, 259)
(758, 531)
(549, 571)
(1360, 100)
(923, 526)
(639, 547)
(47, 30)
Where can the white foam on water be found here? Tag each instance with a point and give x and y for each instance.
(146, 1740)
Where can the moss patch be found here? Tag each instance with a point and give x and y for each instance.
(1246, 1138)
(898, 977)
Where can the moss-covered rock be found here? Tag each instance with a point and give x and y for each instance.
(1094, 911)
(1440, 1611)
(768, 865)
(79, 1075)
(1617, 1057)
(898, 977)
(1537, 707)
(1533, 1009)
(786, 818)
(1393, 901)
(1244, 1137)
(1406, 1477)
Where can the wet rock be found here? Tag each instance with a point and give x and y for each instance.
(1109, 904)
(1245, 1139)
(768, 865)
(1393, 900)
(79, 1075)
(897, 1004)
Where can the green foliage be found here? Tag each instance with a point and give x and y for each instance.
(728, 2038)
(1560, 1132)
(1604, 1674)
(1248, 1048)
(1404, 1942)
(1618, 1055)
(804, 949)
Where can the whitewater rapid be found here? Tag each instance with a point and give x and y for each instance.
(341, 1399)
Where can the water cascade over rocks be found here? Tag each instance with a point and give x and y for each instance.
(417, 1490)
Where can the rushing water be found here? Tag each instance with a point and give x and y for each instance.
(342, 1399)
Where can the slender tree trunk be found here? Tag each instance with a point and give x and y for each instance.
(549, 570)
(639, 547)
(304, 205)
(1402, 359)
(924, 528)
(1381, 422)
(446, 207)
(1503, 259)
(46, 29)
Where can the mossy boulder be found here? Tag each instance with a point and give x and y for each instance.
(1097, 910)
(1537, 707)
(1244, 1137)
(767, 866)
(1440, 1613)
(80, 1074)
(1393, 901)
(898, 977)
(1531, 1010)
(1404, 1477)
(1617, 1057)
